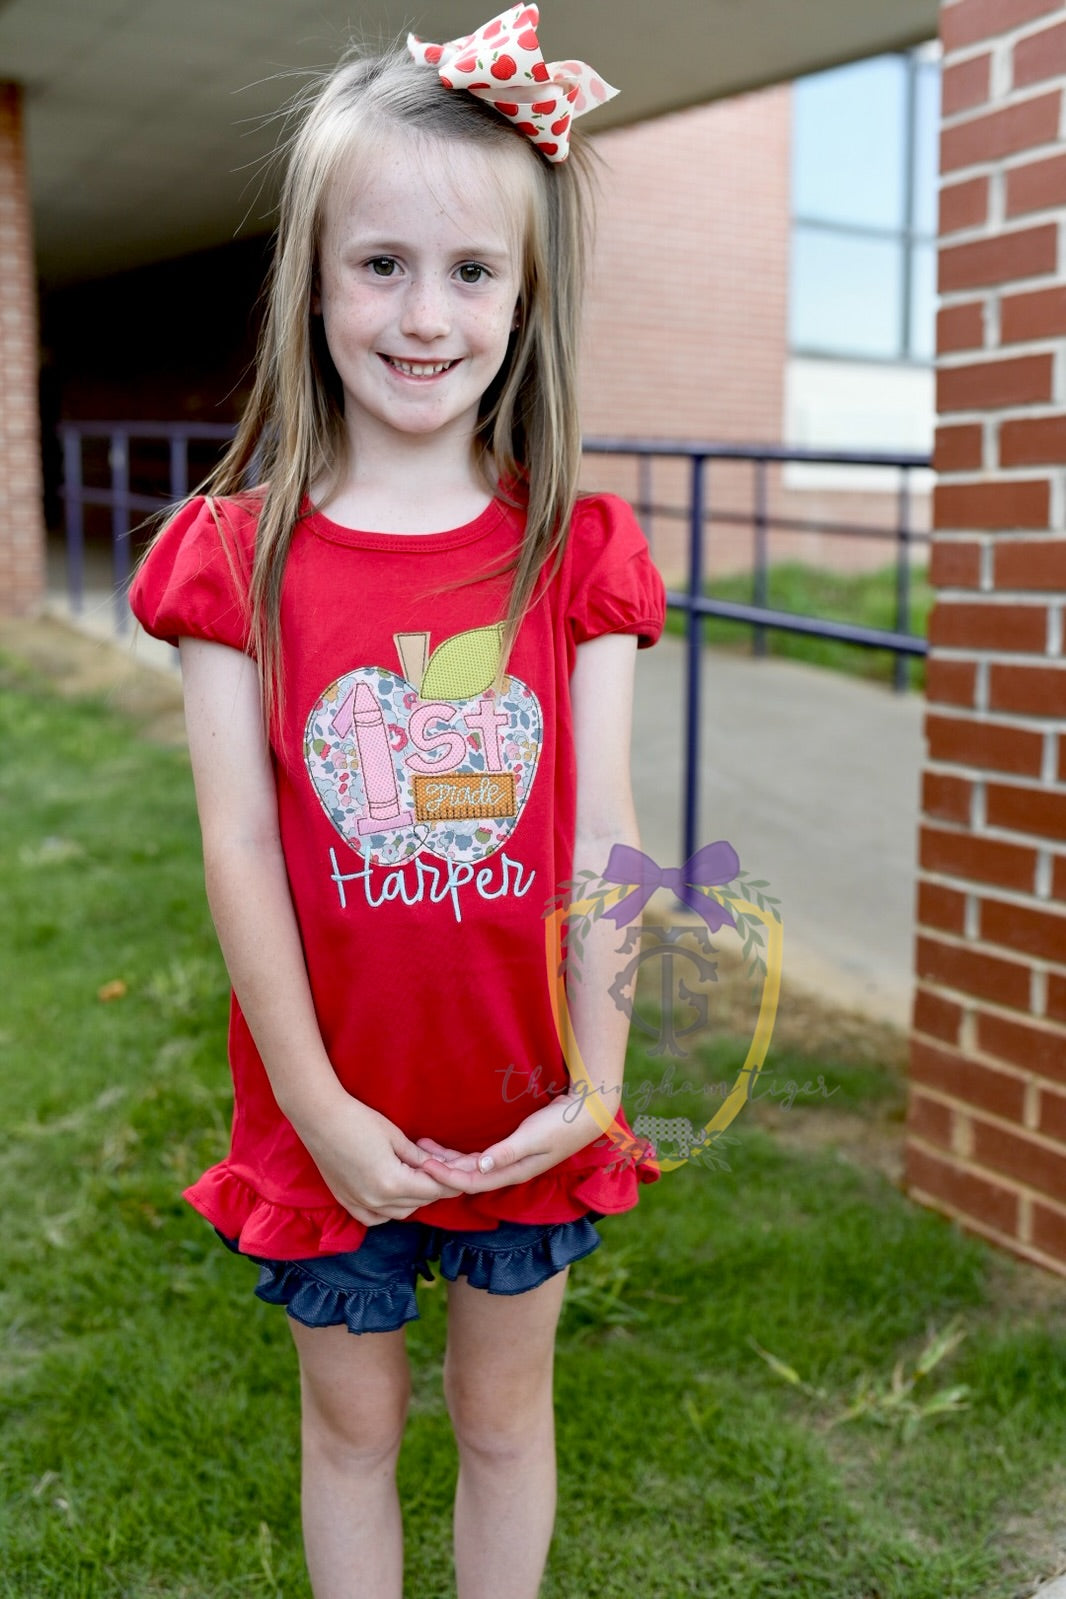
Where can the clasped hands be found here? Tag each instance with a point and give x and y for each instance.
(379, 1174)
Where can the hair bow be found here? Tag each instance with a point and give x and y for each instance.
(502, 64)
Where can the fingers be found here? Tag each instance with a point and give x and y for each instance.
(407, 1150)
(387, 1211)
(395, 1199)
(496, 1167)
(405, 1189)
(369, 1218)
(518, 1171)
(426, 1148)
(443, 1177)
(442, 1151)
(500, 1156)
(464, 1182)
(477, 1182)
(412, 1177)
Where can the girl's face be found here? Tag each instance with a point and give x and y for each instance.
(419, 279)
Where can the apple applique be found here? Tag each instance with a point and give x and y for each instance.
(433, 760)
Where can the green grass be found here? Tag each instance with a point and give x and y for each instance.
(868, 598)
(148, 1406)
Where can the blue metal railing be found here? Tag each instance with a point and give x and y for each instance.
(119, 496)
(696, 605)
(124, 502)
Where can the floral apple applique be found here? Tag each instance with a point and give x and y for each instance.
(435, 760)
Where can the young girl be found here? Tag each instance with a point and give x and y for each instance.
(407, 647)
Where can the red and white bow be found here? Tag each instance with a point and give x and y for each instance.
(502, 64)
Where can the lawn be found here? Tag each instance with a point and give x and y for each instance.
(709, 1352)
(868, 598)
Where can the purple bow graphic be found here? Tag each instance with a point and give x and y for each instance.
(710, 867)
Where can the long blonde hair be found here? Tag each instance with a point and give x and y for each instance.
(292, 431)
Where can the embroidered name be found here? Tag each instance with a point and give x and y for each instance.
(419, 879)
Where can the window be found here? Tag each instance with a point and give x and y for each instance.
(864, 171)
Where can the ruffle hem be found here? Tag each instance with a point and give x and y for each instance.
(321, 1304)
(280, 1231)
(308, 1295)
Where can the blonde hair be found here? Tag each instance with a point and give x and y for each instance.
(292, 431)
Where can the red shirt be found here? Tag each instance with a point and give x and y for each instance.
(425, 822)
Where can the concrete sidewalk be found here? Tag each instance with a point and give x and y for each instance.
(813, 777)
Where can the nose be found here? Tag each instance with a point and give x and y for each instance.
(425, 309)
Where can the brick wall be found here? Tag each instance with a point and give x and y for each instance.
(21, 521)
(987, 1118)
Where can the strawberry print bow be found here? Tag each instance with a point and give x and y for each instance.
(502, 64)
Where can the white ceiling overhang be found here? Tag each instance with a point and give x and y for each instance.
(148, 121)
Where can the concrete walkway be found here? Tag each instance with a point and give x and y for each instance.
(812, 777)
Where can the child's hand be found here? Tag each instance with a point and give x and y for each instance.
(371, 1167)
(550, 1135)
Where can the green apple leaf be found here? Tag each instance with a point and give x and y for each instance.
(463, 665)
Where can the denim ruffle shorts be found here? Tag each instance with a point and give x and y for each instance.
(372, 1288)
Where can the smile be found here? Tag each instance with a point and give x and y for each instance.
(418, 369)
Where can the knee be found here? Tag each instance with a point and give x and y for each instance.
(499, 1423)
(356, 1428)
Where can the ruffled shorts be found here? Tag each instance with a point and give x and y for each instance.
(372, 1288)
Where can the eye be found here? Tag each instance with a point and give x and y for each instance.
(472, 272)
(382, 266)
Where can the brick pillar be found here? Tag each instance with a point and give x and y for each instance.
(987, 1117)
(21, 517)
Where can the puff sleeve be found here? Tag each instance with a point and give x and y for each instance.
(615, 586)
(193, 581)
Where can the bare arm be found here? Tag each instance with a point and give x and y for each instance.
(602, 691)
(370, 1165)
(602, 698)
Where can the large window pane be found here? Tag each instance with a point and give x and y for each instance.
(926, 152)
(923, 303)
(846, 294)
(848, 144)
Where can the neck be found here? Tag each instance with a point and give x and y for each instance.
(405, 485)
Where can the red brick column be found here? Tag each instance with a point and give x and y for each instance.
(21, 517)
(987, 1119)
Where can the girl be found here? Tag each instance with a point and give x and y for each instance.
(407, 649)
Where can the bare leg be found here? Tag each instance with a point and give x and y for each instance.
(498, 1384)
(354, 1390)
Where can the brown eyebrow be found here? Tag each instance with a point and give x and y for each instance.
(371, 248)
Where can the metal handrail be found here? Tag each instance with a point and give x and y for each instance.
(696, 605)
(120, 497)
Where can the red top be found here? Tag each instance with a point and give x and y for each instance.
(425, 822)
